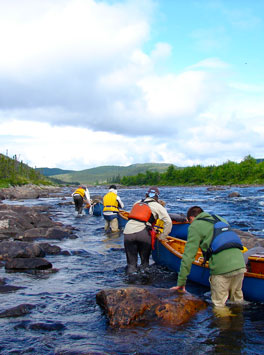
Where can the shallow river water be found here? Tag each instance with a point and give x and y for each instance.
(67, 320)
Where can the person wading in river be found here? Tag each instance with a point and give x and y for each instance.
(137, 238)
(112, 203)
(227, 267)
(81, 196)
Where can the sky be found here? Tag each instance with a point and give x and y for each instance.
(86, 83)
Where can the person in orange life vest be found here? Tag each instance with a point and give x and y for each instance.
(137, 239)
(80, 196)
(112, 202)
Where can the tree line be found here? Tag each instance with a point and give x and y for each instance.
(248, 171)
(14, 172)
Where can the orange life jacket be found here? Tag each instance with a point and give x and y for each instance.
(141, 212)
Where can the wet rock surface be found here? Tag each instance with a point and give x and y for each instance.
(4, 288)
(17, 311)
(28, 264)
(16, 221)
(132, 306)
(249, 240)
(16, 249)
(234, 194)
(21, 227)
(28, 192)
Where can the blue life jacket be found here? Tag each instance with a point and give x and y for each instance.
(223, 238)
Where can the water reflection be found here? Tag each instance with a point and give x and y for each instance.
(228, 323)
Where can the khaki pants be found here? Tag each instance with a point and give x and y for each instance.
(113, 225)
(226, 286)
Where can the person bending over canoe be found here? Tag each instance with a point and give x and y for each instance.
(112, 202)
(222, 247)
(137, 239)
(80, 196)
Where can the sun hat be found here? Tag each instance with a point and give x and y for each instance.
(153, 191)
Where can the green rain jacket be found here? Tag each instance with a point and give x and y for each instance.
(200, 234)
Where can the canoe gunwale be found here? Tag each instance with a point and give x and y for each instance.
(167, 244)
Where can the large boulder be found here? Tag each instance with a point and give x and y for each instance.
(16, 249)
(137, 306)
(249, 240)
(20, 264)
(50, 249)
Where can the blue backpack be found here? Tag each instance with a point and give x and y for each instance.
(223, 238)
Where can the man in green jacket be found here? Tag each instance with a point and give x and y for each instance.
(227, 267)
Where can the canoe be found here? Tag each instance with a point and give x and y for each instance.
(169, 252)
(122, 218)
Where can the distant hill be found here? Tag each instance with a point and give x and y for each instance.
(103, 174)
(53, 171)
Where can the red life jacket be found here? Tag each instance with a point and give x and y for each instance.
(141, 212)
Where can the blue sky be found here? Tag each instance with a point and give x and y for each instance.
(85, 83)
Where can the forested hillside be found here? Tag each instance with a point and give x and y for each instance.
(53, 171)
(107, 174)
(249, 171)
(14, 172)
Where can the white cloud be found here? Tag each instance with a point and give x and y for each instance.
(211, 63)
(78, 89)
(161, 50)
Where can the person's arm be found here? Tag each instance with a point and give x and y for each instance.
(120, 203)
(191, 248)
(87, 198)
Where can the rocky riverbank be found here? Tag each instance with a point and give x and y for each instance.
(25, 235)
(28, 192)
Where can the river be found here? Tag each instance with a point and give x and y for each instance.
(67, 320)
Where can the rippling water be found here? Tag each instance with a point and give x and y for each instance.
(68, 320)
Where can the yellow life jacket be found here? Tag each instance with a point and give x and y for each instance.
(159, 226)
(79, 191)
(110, 202)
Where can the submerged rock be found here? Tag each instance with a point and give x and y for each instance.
(48, 326)
(234, 194)
(28, 264)
(4, 288)
(17, 311)
(137, 306)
